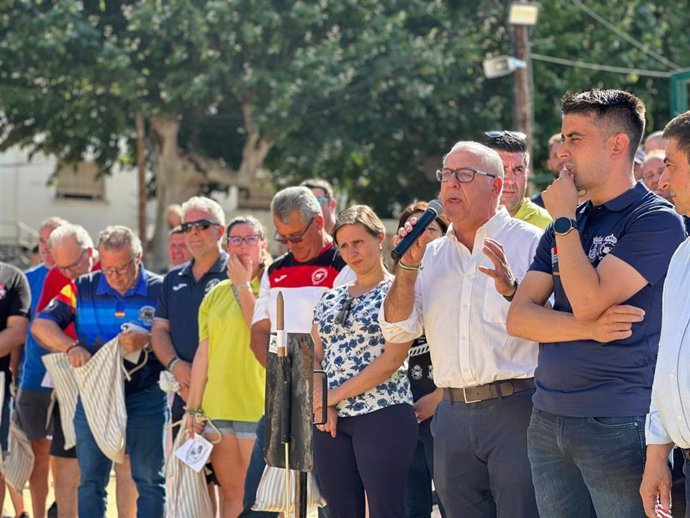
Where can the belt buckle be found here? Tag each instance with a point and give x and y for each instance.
(464, 395)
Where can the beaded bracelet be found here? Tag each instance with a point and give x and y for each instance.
(195, 411)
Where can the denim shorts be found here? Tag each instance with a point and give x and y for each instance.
(239, 429)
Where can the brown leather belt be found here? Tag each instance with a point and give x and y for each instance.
(495, 390)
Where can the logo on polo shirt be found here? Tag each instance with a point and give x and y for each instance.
(211, 284)
(178, 287)
(146, 314)
(319, 275)
(601, 246)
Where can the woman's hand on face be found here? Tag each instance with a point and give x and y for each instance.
(239, 269)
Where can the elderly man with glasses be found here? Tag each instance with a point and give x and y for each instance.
(99, 304)
(460, 299)
(311, 266)
(511, 146)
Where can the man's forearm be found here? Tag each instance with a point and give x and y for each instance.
(50, 335)
(540, 324)
(11, 338)
(162, 345)
(399, 301)
(261, 336)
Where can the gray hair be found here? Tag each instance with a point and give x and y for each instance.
(293, 199)
(117, 237)
(490, 159)
(66, 232)
(206, 204)
(53, 222)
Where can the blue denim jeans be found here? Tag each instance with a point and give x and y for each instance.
(587, 466)
(146, 417)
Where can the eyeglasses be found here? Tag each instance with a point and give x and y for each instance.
(462, 174)
(198, 225)
(238, 240)
(344, 312)
(72, 268)
(500, 133)
(294, 239)
(109, 272)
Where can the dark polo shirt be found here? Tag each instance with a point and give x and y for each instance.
(585, 378)
(15, 301)
(179, 303)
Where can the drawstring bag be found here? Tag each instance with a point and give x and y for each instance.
(187, 491)
(65, 391)
(271, 494)
(102, 390)
(19, 463)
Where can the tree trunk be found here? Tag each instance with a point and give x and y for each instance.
(180, 176)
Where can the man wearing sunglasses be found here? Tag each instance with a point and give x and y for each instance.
(311, 266)
(175, 335)
(459, 297)
(511, 146)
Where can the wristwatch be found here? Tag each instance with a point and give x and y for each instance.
(563, 225)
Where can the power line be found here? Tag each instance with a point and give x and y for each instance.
(604, 68)
(625, 36)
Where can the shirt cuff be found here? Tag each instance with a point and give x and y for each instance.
(400, 332)
(655, 433)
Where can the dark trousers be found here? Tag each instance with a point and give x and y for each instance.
(372, 453)
(481, 469)
(419, 498)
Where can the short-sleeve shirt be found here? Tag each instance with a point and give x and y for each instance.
(32, 369)
(236, 381)
(98, 312)
(585, 378)
(180, 299)
(15, 301)
(348, 348)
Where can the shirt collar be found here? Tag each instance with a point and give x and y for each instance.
(217, 267)
(489, 229)
(140, 288)
(625, 200)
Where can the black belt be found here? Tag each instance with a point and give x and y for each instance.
(495, 390)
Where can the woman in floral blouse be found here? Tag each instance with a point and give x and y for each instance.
(371, 433)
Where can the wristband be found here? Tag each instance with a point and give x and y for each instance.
(194, 411)
(172, 363)
(245, 285)
(510, 297)
(410, 268)
(72, 346)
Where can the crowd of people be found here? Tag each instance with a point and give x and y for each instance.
(525, 357)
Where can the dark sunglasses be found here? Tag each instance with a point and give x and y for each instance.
(500, 133)
(344, 312)
(200, 224)
(294, 239)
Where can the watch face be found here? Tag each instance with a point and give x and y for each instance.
(562, 225)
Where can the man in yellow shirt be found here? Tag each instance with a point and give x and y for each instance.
(512, 148)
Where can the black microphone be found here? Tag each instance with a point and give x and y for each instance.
(433, 211)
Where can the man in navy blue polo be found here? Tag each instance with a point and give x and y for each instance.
(98, 304)
(605, 262)
(176, 327)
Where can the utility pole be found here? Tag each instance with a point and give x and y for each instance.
(141, 177)
(522, 86)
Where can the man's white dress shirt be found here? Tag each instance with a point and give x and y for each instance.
(462, 314)
(669, 414)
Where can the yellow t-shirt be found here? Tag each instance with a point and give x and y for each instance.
(236, 380)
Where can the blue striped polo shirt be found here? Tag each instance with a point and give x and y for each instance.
(98, 312)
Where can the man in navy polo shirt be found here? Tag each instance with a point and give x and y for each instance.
(98, 304)
(605, 262)
(176, 326)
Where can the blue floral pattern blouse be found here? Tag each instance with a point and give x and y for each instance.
(351, 340)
